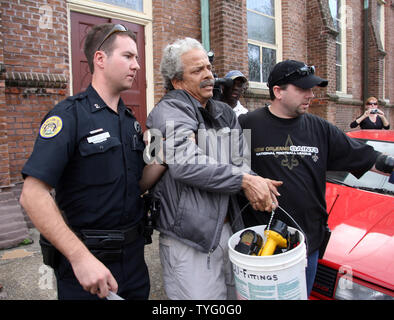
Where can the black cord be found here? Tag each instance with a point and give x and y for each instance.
(297, 225)
(240, 214)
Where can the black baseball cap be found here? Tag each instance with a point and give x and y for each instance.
(296, 73)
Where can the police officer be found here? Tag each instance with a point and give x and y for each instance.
(89, 149)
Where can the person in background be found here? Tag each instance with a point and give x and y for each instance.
(232, 94)
(372, 118)
(89, 149)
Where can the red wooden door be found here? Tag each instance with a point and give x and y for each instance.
(135, 98)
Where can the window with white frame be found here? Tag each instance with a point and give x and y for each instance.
(338, 13)
(130, 4)
(264, 38)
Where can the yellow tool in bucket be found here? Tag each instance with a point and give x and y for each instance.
(276, 236)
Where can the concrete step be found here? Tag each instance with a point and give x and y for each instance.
(10, 217)
(13, 238)
(6, 195)
(28, 221)
(12, 226)
(17, 190)
(15, 209)
(13, 221)
(9, 202)
(11, 198)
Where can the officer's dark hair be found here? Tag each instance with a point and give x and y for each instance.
(94, 38)
(271, 90)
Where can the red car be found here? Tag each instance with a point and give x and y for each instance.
(359, 260)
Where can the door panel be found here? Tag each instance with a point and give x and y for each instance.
(135, 98)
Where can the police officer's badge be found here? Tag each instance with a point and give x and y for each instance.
(51, 127)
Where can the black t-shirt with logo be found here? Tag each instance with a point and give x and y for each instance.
(298, 152)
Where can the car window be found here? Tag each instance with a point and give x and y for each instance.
(371, 181)
(382, 146)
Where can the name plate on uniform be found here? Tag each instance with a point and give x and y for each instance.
(99, 137)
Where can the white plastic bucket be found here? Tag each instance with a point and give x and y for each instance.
(276, 277)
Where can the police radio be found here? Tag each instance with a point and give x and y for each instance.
(151, 214)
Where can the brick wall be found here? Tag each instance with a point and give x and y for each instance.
(25, 111)
(378, 82)
(312, 42)
(172, 20)
(304, 42)
(355, 49)
(375, 56)
(228, 31)
(389, 48)
(4, 159)
(294, 29)
(34, 51)
(321, 53)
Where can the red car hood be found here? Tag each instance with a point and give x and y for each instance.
(362, 225)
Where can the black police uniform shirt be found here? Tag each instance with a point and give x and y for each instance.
(298, 152)
(92, 156)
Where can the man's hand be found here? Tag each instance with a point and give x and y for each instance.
(261, 192)
(93, 275)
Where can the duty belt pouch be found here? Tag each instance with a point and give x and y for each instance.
(102, 239)
(105, 245)
(111, 255)
(323, 246)
(50, 255)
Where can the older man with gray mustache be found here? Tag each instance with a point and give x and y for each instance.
(199, 210)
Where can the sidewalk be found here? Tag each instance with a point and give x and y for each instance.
(24, 276)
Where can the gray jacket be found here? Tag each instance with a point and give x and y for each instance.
(205, 168)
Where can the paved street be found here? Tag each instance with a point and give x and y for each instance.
(24, 276)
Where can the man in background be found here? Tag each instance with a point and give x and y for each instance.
(232, 94)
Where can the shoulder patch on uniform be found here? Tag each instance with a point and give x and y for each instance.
(51, 127)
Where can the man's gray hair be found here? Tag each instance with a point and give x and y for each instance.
(171, 66)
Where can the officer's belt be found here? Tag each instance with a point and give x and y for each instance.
(110, 239)
(106, 245)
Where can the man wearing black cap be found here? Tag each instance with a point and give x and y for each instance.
(291, 145)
